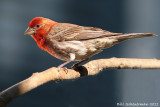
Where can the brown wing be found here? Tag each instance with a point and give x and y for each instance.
(69, 32)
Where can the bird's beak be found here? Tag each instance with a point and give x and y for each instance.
(29, 31)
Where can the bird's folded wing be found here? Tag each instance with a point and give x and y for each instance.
(69, 32)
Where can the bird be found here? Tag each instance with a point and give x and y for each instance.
(71, 42)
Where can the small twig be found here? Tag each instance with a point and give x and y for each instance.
(91, 68)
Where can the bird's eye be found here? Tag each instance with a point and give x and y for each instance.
(37, 26)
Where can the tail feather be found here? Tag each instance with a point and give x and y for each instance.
(123, 37)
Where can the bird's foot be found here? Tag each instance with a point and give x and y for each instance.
(65, 69)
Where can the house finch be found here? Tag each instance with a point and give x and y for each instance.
(72, 42)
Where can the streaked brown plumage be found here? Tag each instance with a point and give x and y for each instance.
(72, 42)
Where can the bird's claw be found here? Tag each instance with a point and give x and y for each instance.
(65, 69)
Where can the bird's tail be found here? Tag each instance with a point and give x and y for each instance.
(123, 37)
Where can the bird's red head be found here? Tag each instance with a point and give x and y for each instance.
(39, 21)
(39, 26)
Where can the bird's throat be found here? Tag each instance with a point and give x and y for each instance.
(40, 41)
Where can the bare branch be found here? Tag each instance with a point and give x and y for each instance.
(91, 68)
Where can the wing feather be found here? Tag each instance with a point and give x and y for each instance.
(69, 32)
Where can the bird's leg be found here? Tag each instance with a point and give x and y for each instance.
(64, 68)
(76, 64)
(72, 58)
(61, 66)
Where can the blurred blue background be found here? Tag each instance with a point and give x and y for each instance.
(20, 56)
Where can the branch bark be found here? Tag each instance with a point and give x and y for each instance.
(91, 68)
